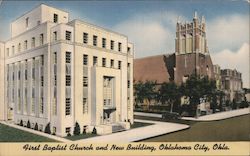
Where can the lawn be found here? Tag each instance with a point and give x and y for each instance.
(232, 129)
(9, 134)
(140, 124)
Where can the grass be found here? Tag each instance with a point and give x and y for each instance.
(10, 134)
(232, 129)
(140, 124)
(81, 136)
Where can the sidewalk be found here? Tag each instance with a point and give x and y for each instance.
(220, 115)
(60, 139)
(137, 134)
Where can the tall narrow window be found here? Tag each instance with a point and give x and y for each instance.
(27, 22)
(85, 59)
(119, 46)
(68, 57)
(55, 18)
(85, 81)
(103, 42)
(41, 39)
(95, 61)
(85, 38)
(67, 106)
(55, 36)
(13, 50)
(19, 47)
(111, 63)
(85, 105)
(119, 64)
(25, 45)
(94, 40)
(112, 44)
(33, 42)
(104, 62)
(68, 35)
(8, 51)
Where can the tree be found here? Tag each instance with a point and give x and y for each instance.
(196, 88)
(47, 129)
(28, 124)
(36, 127)
(169, 93)
(84, 129)
(76, 129)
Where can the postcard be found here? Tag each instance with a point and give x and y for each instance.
(124, 77)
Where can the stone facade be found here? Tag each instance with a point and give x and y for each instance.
(62, 72)
(232, 84)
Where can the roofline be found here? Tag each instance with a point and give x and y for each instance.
(36, 8)
(152, 56)
(105, 29)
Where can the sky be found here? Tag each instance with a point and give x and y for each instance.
(150, 25)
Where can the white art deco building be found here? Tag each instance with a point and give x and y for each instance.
(60, 72)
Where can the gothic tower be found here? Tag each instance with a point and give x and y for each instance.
(191, 51)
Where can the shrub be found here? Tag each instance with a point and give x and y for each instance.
(76, 129)
(28, 124)
(21, 123)
(69, 134)
(94, 131)
(36, 127)
(47, 129)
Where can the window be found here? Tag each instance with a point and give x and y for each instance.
(55, 18)
(13, 50)
(27, 22)
(68, 35)
(33, 42)
(68, 80)
(95, 61)
(119, 64)
(33, 73)
(8, 51)
(26, 74)
(41, 39)
(19, 47)
(68, 57)
(85, 38)
(129, 49)
(19, 75)
(104, 62)
(85, 81)
(94, 40)
(119, 46)
(55, 58)
(128, 83)
(85, 59)
(68, 107)
(41, 105)
(42, 81)
(67, 130)
(112, 45)
(55, 36)
(25, 45)
(85, 105)
(103, 42)
(112, 63)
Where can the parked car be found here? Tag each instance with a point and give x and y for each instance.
(170, 116)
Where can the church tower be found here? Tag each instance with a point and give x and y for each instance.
(191, 50)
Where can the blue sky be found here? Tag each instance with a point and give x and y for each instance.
(150, 25)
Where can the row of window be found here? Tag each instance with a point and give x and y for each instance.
(25, 45)
(104, 62)
(104, 42)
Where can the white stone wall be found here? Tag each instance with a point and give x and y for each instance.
(54, 73)
(2, 88)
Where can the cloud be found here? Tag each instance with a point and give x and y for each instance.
(152, 33)
(238, 60)
(227, 32)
